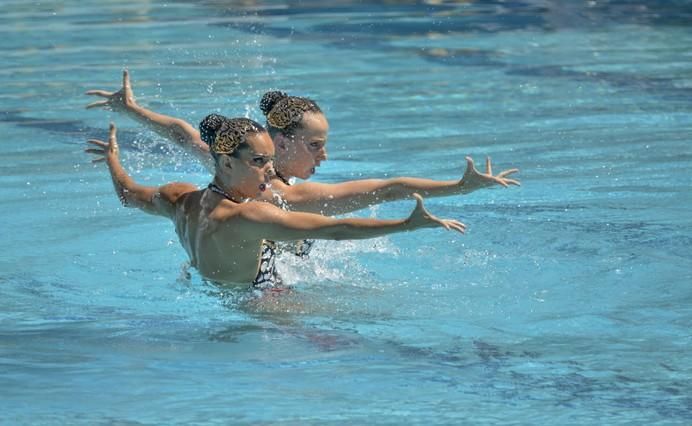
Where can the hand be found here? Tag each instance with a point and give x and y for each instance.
(104, 151)
(421, 218)
(473, 179)
(109, 153)
(115, 101)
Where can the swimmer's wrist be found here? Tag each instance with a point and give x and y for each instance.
(132, 106)
(464, 187)
(409, 224)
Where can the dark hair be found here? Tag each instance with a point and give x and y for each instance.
(209, 126)
(270, 99)
(285, 113)
(226, 135)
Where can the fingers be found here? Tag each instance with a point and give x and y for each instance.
(452, 225)
(95, 151)
(97, 104)
(102, 93)
(488, 166)
(469, 163)
(459, 229)
(99, 160)
(507, 173)
(502, 182)
(111, 133)
(126, 79)
(455, 225)
(502, 176)
(458, 224)
(98, 143)
(419, 200)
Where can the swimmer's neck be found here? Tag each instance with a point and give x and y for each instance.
(227, 188)
(282, 177)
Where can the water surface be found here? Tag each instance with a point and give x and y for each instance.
(568, 301)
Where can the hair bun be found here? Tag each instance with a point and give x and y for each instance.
(209, 126)
(270, 99)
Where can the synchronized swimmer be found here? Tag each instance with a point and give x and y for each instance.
(298, 130)
(224, 226)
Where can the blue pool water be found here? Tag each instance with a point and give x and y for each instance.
(569, 301)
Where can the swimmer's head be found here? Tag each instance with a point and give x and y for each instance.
(242, 150)
(227, 135)
(299, 130)
(285, 113)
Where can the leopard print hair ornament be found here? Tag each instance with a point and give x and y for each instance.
(285, 112)
(225, 135)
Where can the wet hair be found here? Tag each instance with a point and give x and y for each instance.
(225, 135)
(285, 113)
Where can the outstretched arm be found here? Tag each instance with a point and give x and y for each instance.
(332, 199)
(174, 129)
(155, 200)
(266, 221)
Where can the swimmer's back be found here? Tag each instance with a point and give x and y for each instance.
(206, 227)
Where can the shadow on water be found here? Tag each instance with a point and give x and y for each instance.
(520, 372)
(527, 370)
(369, 27)
(74, 128)
(524, 370)
(510, 372)
(662, 87)
(375, 25)
(465, 16)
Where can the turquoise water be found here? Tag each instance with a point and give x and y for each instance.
(567, 302)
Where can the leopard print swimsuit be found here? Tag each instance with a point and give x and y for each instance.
(267, 275)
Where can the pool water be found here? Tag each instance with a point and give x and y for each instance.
(567, 302)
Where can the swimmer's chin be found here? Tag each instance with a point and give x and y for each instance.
(308, 173)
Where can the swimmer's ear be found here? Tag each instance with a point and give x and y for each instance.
(227, 161)
(280, 141)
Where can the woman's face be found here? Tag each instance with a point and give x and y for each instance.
(252, 166)
(305, 149)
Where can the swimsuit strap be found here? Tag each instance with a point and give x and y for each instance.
(215, 188)
(281, 178)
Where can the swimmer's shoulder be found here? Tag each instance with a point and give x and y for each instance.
(292, 194)
(167, 199)
(279, 185)
(178, 192)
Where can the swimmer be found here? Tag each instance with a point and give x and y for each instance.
(298, 130)
(223, 228)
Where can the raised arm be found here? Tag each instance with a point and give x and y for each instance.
(174, 129)
(154, 200)
(332, 199)
(266, 221)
